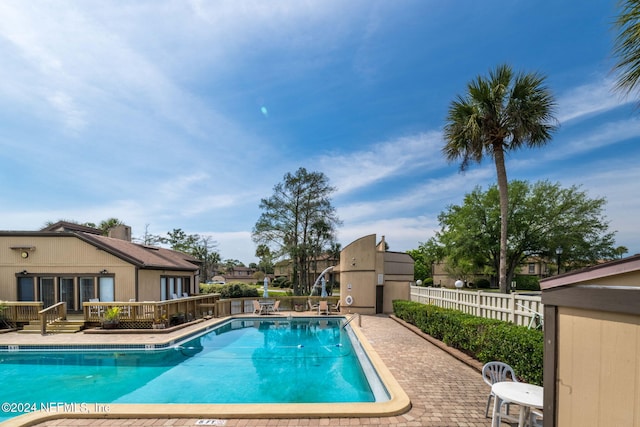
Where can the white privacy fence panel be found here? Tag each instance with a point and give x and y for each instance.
(519, 309)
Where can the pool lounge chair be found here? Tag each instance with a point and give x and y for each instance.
(257, 308)
(323, 307)
(275, 308)
(312, 307)
(336, 307)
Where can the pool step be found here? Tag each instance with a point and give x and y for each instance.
(57, 327)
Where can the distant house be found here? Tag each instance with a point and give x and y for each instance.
(74, 263)
(532, 266)
(240, 274)
(284, 268)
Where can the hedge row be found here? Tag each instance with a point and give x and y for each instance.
(230, 290)
(484, 339)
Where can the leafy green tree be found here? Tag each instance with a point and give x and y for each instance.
(204, 250)
(626, 47)
(180, 241)
(150, 239)
(620, 251)
(334, 250)
(542, 217)
(427, 253)
(296, 220)
(108, 224)
(499, 114)
(266, 259)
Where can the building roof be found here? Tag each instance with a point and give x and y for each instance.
(71, 226)
(617, 267)
(142, 256)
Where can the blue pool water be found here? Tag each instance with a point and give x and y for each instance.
(242, 361)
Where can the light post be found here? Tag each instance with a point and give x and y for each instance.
(558, 253)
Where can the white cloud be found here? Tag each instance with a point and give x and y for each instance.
(580, 141)
(73, 117)
(588, 99)
(431, 196)
(234, 245)
(399, 157)
(618, 184)
(400, 233)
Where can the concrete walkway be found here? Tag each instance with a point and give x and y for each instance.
(443, 390)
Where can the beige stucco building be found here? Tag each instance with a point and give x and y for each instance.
(371, 277)
(532, 266)
(73, 263)
(592, 346)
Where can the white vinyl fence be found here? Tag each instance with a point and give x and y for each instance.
(524, 310)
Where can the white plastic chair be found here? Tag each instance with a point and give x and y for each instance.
(535, 418)
(495, 372)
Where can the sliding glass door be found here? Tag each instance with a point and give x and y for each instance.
(47, 291)
(66, 293)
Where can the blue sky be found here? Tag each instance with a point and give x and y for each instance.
(184, 114)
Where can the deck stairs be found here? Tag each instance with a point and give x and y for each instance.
(69, 326)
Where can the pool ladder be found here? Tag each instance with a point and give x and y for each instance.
(344, 325)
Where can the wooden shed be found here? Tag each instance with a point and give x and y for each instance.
(592, 346)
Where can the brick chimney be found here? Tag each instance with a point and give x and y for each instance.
(122, 232)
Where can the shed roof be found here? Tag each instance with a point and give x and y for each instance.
(613, 268)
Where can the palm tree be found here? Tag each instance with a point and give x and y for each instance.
(627, 46)
(499, 114)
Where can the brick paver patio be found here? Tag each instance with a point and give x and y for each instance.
(443, 390)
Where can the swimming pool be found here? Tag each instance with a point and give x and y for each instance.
(238, 363)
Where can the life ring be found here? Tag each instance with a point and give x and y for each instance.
(348, 300)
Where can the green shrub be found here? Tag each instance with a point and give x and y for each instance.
(281, 282)
(527, 283)
(238, 290)
(483, 284)
(484, 339)
(210, 288)
(230, 290)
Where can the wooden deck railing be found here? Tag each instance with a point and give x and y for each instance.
(52, 313)
(143, 314)
(152, 312)
(21, 311)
